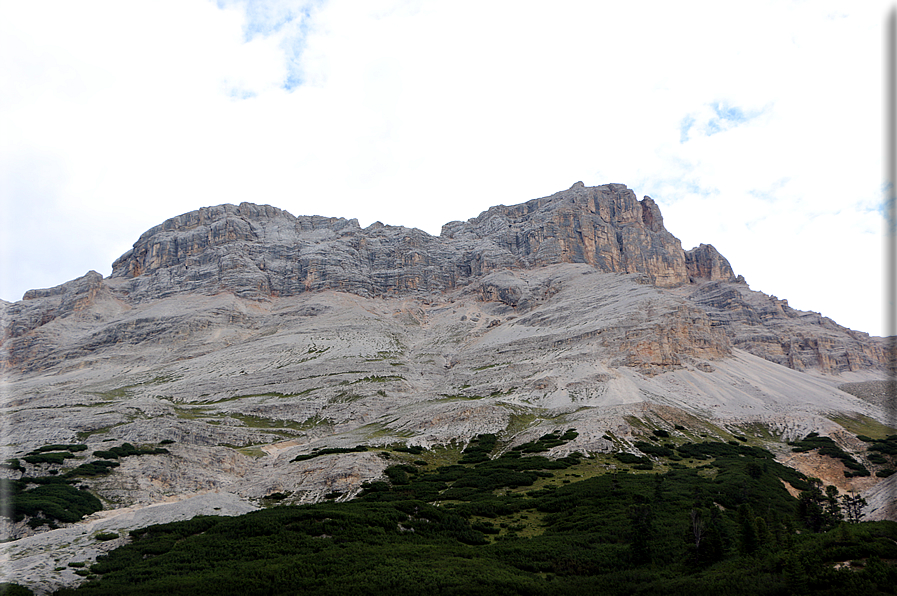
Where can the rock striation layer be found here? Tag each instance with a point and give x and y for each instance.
(251, 343)
(260, 253)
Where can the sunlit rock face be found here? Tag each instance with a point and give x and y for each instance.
(258, 251)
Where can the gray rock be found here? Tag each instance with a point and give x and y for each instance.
(247, 336)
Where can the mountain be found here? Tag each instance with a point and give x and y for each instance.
(248, 352)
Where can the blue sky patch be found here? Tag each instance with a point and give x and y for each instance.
(270, 17)
(770, 194)
(684, 127)
(720, 117)
(240, 93)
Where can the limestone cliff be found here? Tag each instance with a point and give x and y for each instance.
(261, 253)
(243, 337)
(258, 251)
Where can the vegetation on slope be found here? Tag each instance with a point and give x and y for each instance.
(828, 447)
(52, 497)
(525, 524)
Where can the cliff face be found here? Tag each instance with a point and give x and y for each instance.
(261, 253)
(768, 327)
(603, 226)
(243, 336)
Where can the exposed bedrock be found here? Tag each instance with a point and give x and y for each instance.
(260, 253)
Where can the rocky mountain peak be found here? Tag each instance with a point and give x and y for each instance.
(259, 251)
(284, 355)
(262, 253)
(705, 262)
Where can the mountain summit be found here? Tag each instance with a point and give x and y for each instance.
(260, 251)
(243, 352)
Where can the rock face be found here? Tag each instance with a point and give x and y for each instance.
(242, 337)
(767, 326)
(260, 253)
(705, 262)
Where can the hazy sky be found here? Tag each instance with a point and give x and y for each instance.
(757, 127)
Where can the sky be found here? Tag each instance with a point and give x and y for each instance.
(756, 127)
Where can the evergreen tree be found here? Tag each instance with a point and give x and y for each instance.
(853, 506)
(832, 506)
(748, 528)
(810, 508)
(641, 520)
(764, 537)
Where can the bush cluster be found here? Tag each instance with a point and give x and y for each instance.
(828, 447)
(673, 533)
(329, 451)
(127, 450)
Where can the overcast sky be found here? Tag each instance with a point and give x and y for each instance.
(757, 127)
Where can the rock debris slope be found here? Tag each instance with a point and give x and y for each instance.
(245, 336)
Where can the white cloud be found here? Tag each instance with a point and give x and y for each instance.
(116, 116)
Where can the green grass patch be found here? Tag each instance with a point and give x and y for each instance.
(85, 434)
(860, 424)
(271, 424)
(193, 413)
(521, 419)
(252, 451)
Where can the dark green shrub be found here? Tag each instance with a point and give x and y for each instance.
(56, 500)
(127, 450)
(888, 446)
(333, 451)
(36, 522)
(414, 449)
(48, 458)
(13, 464)
(629, 458)
(650, 449)
(479, 449)
(74, 447)
(8, 589)
(397, 475)
(95, 468)
(104, 536)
